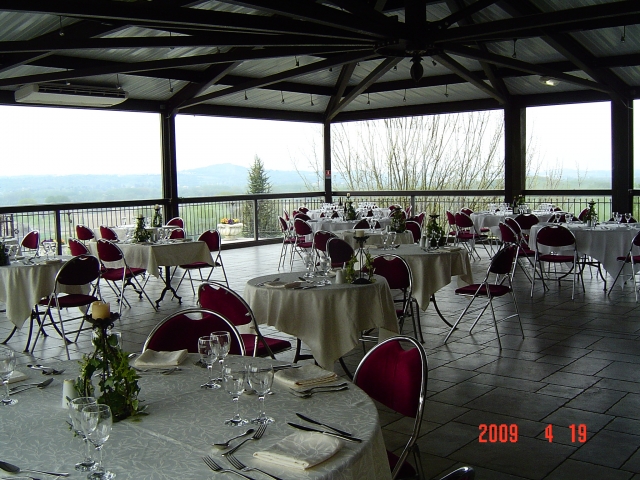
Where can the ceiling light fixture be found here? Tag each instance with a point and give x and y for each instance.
(514, 55)
(548, 81)
(623, 38)
(416, 69)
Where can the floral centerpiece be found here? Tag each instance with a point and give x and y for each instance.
(349, 210)
(518, 201)
(140, 234)
(591, 216)
(353, 276)
(229, 221)
(435, 233)
(157, 217)
(230, 228)
(398, 220)
(118, 381)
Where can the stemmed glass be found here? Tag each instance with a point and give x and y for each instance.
(260, 379)
(208, 356)
(76, 406)
(234, 378)
(392, 236)
(325, 265)
(96, 424)
(309, 263)
(627, 217)
(221, 342)
(385, 239)
(436, 237)
(7, 365)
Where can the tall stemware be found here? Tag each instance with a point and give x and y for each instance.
(261, 379)
(208, 357)
(96, 424)
(76, 406)
(7, 366)
(627, 217)
(221, 342)
(234, 378)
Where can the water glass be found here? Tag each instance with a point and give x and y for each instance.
(260, 380)
(96, 424)
(7, 366)
(76, 406)
(208, 357)
(325, 265)
(392, 237)
(234, 378)
(627, 217)
(309, 263)
(221, 343)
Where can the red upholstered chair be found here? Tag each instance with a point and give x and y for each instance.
(562, 245)
(339, 251)
(288, 239)
(415, 229)
(77, 247)
(84, 233)
(510, 236)
(176, 233)
(468, 235)
(108, 233)
(420, 218)
(466, 210)
(302, 216)
(80, 270)
(110, 253)
(214, 241)
(361, 225)
(335, 215)
(632, 258)
(397, 273)
(175, 222)
(453, 230)
(304, 210)
(182, 329)
(224, 301)
(320, 240)
(31, 241)
(502, 266)
(285, 214)
(301, 246)
(397, 378)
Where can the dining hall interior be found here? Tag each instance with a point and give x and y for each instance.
(544, 385)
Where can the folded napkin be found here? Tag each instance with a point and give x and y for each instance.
(301, 450)
(275, 284)
(151, 358)
(305, 376)
(17, 376)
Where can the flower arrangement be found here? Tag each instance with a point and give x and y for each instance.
(229, 221)
(519, 200)
(350, 274)
(157, 217)
(591, 217)
(398, 220)
(141, 234)
(433, 230)
(349, 210)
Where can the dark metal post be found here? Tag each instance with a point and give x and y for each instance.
(515, 157)
(169, 170)
(328, 189)
(622, 156)
(255, 219)
(58, 231)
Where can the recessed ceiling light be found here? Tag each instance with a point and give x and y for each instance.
(548, 81)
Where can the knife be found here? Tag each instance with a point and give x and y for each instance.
(311, 420)
(324, 432)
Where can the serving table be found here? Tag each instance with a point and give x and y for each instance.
(328, 319)
(183, 421)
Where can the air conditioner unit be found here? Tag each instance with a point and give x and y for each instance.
(70, 95)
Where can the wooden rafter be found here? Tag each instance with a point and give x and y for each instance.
(341, 85)
(469, 76)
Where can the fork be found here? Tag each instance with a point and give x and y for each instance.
(211, 463)
(241, 466)
(322, 387)
(255, 436)
(310, 394)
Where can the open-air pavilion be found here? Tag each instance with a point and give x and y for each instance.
(338, 61)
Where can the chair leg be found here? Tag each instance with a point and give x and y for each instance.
(495, 322)
(4, 342)
(616, 279)
(455, 325)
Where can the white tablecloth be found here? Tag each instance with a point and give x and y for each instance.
(327, 319)
(22, 286)
(183, 421)
(604, 243)
(491, 220)
(337, 225)
(152, 257)
(433, 269)
(375, 238)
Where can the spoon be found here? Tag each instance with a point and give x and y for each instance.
(46, 370)
(226, 444)
(7, 467)
(22, 388)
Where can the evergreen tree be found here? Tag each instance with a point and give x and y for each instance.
(258, 182)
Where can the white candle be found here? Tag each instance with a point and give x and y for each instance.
(359, 233)
(100, 310)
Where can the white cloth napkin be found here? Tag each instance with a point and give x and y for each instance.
(305, 376)
(151, 358)
(301, 450)
(17, 376)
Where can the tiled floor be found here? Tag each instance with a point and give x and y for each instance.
(579, 365)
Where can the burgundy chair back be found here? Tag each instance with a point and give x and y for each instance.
(181, 330)
(303, 209)
(302, 216)
(79, 270)
(463, 220)
(361, 224)
(395, 271)
(77, 247)
(212, 239)
(31, 240)
(526, 220)
(177, 233)
(335, 215)
(109, 251)
(108, 233)
(555, 236)
(420, 218)
(502, 262)
(339, 251)
(583, 214)
(286, 214)
(224, 301)
(636, 240)
(176, 222)
(451, 218)
(301, 227)
(466, 210)
(321, 238)
(513, 225)
(414, 228)
(507, 233)
(84, 233)
(284, 228)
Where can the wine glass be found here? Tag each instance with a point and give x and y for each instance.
(234, 377)
(96, 424)
(76, 406)
(7, 365)
(208, 357)
(221, 342)
(436, 236)
(260, 379)
(392, 237)
(309, 263)
(325, 265)
(627, 217)
(385, 239)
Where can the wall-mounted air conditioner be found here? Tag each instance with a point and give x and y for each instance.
(70, 95)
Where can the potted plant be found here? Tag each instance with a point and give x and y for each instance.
(230, 228)
(398, 220)
(435, 233)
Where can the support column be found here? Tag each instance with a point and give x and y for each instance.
(169, 169)
(515, 157)
(622, 156)
(326, 137)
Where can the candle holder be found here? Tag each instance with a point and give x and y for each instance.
(365, 274)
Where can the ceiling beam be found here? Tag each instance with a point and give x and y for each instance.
(463, 13)
(378, 72)
(286, 75)
(341, 85)
(469, 76)
(370, 12)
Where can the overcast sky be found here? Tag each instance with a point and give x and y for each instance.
(40, 140)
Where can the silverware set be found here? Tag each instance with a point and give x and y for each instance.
(161, 371)
(237, 464)
(306, 393)
(267, 281)
(28, 386)
(46, 370)
(256, 436)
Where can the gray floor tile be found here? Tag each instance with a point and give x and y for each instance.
(532, 406)
(560, 391)
(586, 366)
(621, 371)
(461, 393)
(629, 407)
(596, 399)
(447, 439)
(571, 380)
(573, 469)
(633, 464)
(524, 369)
(611, 449)
(562, 418)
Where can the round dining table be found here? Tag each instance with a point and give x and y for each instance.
(183, 422)
(335, 225)
(328, 319)
(375, 237)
